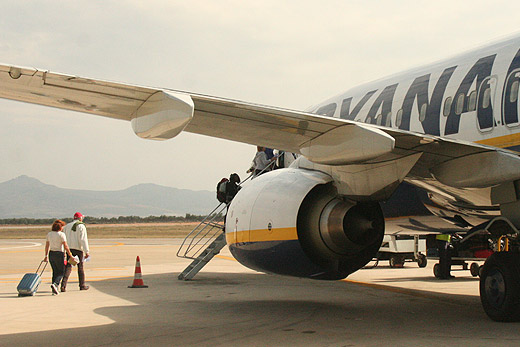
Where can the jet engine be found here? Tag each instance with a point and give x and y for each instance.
(293, 222)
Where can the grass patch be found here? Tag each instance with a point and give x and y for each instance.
(105, 231)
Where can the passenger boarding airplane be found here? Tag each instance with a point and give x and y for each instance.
(450, 129)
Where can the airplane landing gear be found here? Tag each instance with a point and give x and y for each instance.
(500, 286)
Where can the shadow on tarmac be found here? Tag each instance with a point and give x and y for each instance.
(257, 309)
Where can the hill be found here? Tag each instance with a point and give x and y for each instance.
(28, 197)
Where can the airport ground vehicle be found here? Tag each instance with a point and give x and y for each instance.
(400, 248)
(473, 247)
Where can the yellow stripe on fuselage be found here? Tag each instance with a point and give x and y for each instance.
(262, 235)
(502, 141)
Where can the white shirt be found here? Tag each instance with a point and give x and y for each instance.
(260, 161)
(77, 239)
(56, 239)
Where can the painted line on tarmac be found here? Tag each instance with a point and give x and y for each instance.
(102, 278)
(18, 271)
(117, 244)
(31, 244)
(89, 279)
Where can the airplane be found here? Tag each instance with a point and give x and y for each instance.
(448, 132)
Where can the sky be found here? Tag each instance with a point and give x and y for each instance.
(289, 54)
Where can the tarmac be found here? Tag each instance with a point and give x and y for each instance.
(227, 304)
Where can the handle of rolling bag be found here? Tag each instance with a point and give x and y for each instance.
(44, 266)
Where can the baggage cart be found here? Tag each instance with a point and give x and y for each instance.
(474, 247)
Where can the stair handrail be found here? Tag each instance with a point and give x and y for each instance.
(195, 236)
(265, 169)
(212, 231)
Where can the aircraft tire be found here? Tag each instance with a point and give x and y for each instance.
(474, 269)
(500, 287)
(437, 270)
(422, 261)
(396, 261)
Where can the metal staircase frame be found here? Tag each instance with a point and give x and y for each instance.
(208, 237)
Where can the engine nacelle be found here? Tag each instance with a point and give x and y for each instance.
(292, 222)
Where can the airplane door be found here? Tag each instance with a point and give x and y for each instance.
(510, 104)
(485, 104)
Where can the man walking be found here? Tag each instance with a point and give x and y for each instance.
(77, 239)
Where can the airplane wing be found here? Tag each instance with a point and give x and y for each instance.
(162, 113)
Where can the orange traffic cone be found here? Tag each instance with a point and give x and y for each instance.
(138, 278)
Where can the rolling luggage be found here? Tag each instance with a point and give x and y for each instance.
(30, 281)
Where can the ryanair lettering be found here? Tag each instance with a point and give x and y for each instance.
(477, 92)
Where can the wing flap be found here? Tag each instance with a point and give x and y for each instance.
(256, 124)
(110, 89)
(493, 168)
(348, 144)
(72, 93)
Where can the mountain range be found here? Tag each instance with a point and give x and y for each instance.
(28, 197)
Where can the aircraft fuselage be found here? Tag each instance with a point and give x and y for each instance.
(471, 97)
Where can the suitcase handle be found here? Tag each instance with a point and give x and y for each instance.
(44, 266)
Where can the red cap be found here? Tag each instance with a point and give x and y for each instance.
(78, 215)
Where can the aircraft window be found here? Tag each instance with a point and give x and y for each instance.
(379, 119)
(485, 117)
(513, 97)
(472, 101)
(510, 108)
(399, 118)
(327, 110)
(422, 113)
(447, 106)
(459, 106)
(486, 98)
(388, 121)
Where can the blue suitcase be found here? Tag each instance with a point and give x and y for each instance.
(30, 281)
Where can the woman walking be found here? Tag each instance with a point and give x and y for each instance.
(54, 253)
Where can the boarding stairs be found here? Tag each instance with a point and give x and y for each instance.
(203, 242)
(208, 238)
